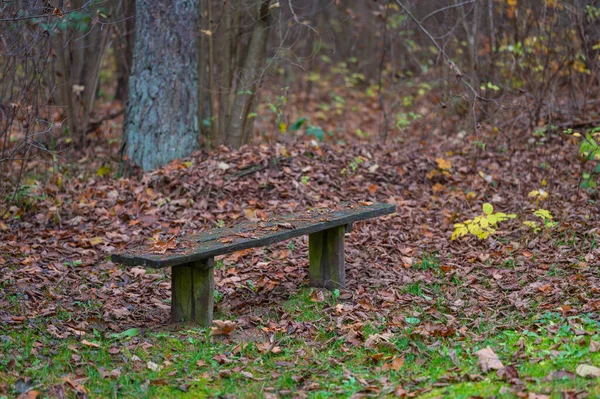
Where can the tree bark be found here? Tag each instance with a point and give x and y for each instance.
(252, 71)
(124, 47)
(161, 121)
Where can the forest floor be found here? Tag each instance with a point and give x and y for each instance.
(513, 315)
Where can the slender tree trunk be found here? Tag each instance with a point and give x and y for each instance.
(80, 52)
(161, 121)
(124, 48)
(252, 71)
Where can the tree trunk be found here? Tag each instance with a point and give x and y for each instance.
(252, 71)
(123, 48)
(161, 121)
(80, 49)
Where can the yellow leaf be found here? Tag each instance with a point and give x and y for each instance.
(488, 208)
(282, 127)
(96, 240)
(103, 171)
(443, 164)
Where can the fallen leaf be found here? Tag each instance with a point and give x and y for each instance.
(443, 164)
(317, 296)
(585, 370)
(224, 373)
(488, 360)
(153, 366)
(247, 374)
(223, 166)
(396, 364)
(560, 374)
(222, 327)
(90, 344)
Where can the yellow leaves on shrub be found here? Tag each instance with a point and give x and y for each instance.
(543, 214)
(482, 226)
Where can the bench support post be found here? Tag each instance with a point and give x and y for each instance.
(192, 290)
(326, 258)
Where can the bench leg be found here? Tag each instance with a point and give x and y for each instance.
(326, 258)
(192, 289)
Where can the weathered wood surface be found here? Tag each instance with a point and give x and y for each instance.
(219, 241)
(326, 258)
(192, 292)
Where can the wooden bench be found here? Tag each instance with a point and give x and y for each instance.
(191, 257)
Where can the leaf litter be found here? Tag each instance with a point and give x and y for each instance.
(55, 254)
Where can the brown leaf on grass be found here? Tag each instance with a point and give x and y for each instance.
(317, 296)
(585, 370)
(76, 384)
(153, 366)
(533, 395)
(488, 360)
(224, 373)
(559, 375)
(376, 340)
(247, 374)
(594, 346)
(401, 392)
(396, 364)
(222, 327)
(267, 347)
(33, 394)
(90, 344)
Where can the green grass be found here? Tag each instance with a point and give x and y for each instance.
(322, 361)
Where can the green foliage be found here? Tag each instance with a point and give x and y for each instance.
(316, 131)
(589, 151)
(482, 226)
(298, 124)
(403, 119)
(354, 164)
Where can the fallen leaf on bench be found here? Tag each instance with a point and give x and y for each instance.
(246, 235)
(286, 225)
(226, 240)
(365, 203)
(160, 247)
(222, 327)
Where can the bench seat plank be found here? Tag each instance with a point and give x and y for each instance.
(197, 247)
